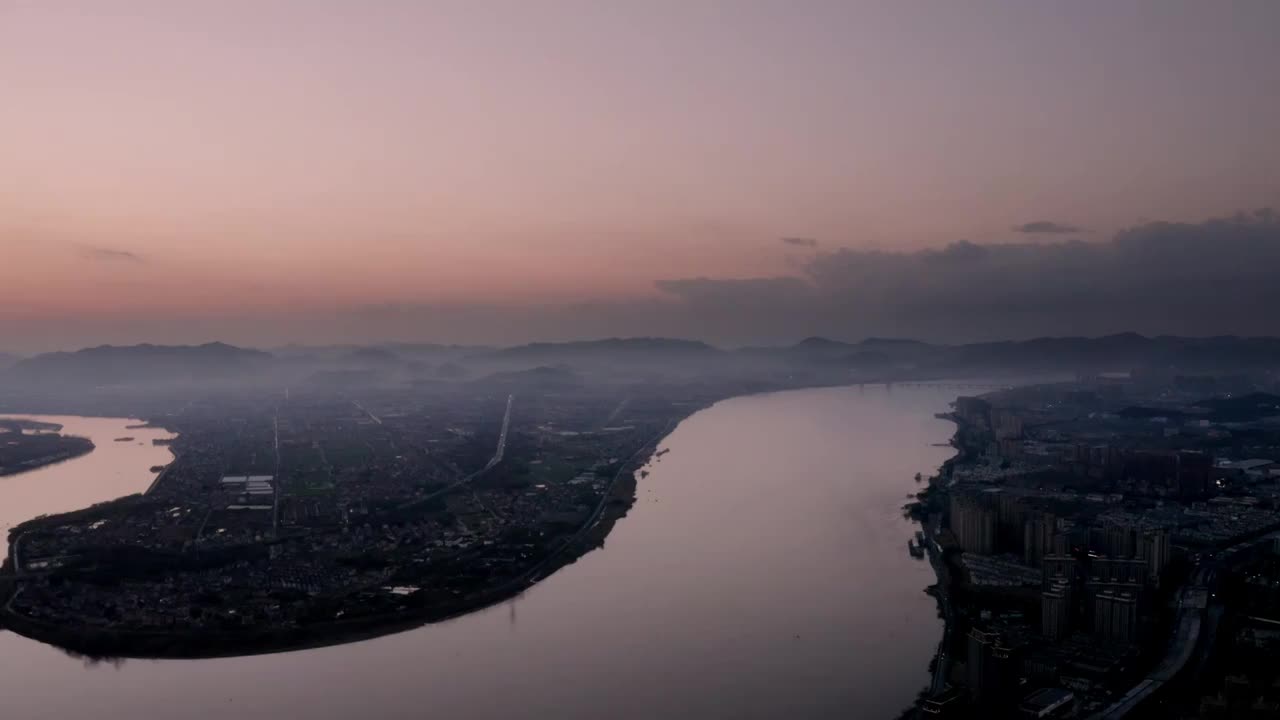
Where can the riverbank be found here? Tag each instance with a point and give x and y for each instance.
(97, 641)
(102, 643)
(69, 448)
(928, 511)
(105, 642)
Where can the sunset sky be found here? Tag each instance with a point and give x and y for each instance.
(273, 171)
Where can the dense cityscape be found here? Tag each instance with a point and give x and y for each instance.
(1108, 548)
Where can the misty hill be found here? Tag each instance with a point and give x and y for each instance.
(376, 363)
(871, 356)
(1122, 351)
(371, 357)
(110, 364)
(434, 351)
(1242, 408)
(1116, 352)
(819, 359)
(377, 353)
(610, 350)
(865, 354)
(451, 371)
(821, 346)
(7, 360)
(641, 345)
(539, 379)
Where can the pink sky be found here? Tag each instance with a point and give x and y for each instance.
(173, 159)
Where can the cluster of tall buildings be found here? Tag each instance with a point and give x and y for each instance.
(1097, 574)
(996, 520)
(1183, 474)
(1103, 593)
(1056, 609)
(1076, 498)
(992, 663)
(1115, 616)
(973, 523)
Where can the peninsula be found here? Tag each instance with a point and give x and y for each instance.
(320, 519)
(27, 445)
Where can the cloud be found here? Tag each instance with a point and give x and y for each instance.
(106, 254)
(961, 251)
(1213, 277)
(755, 291)
(1047, 227)
(1207, 278)
(804, 242)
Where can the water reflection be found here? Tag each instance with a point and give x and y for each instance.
(763, 573)
(113, 469)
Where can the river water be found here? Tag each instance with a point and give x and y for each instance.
(763, 573)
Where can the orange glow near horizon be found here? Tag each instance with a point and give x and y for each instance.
(159, 159)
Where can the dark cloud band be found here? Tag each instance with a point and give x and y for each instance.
(1047, 227)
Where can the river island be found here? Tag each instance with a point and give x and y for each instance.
(26, 445)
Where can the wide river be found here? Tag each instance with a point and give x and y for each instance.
(763, 573)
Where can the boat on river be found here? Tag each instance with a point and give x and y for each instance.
(917, 551)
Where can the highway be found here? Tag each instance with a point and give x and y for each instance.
(942, 662)
(622, 405)
(497, 458)
(365, 410)
(1185, 640)
(502, 437)
(531, 575)
(278, 485)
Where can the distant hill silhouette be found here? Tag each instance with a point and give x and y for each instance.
(372, 356)
(822, 345)
(540, 378)
(1118, 352)
(609, 350)
(451, 371)
(865, 354)
(651, 357)
(1242, 408)
(110, 364)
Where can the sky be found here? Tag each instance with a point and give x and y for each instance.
(275, 171)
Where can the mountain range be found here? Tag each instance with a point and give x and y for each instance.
(108, 364)
(157, 363)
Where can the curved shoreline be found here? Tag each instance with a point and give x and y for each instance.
(102, 643)
(106, 643)
(51, 460)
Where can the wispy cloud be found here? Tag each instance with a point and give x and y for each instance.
(1047, 227)
(106, 254)
(805, 242)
